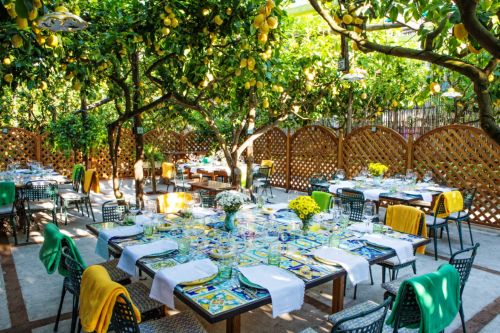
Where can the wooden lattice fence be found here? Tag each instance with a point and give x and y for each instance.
(17, 145)
(313, 150)
(374, 144)
(464, 157)
(272, 146)
(126, 157)
(195, 142)
(58, 160)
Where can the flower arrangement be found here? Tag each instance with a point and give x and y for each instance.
(230, 201)
(377, 169)
(305, 207)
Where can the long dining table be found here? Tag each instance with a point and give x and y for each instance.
(227, 299)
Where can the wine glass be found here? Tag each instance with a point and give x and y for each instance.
(427, 176)
(340, 174)
(364, 172)
(368, 214)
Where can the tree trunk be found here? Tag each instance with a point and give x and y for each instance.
(235, 171)
(250, 131)
(85, 117)
(139, 158)
(486, 118)
(114, 133)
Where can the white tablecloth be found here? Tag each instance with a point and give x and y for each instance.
(404, 249)
(357, 267)
(132, 253)
(106, 234)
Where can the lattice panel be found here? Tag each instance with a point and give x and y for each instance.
(126, 158)
(18, 145)
(195, 142)
(313, 151)
(464, 157)
(170, 143)
(363, 146)
(272, 146)
(57, 159)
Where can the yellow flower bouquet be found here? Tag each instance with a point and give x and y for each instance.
(377, 169)
(305, 207)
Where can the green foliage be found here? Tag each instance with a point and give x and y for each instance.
(71, 134)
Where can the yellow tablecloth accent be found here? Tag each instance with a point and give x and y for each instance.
(406, 219)
(87, 181)
(167, 170)
(98, 295)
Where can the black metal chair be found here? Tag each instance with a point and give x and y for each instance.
(124, 321)
(83, 198)
(435, 223)
(462, 260)
(113, 211)
(180, 182)
(207, 199)
(263, 180)
(393, 264)
(356, 201)
(464, 215)
(39, 196)
(8, 211)
(313, 184)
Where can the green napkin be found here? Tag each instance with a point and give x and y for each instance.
(323, 200)
(7, 193)
(76, 169)
(438, 297)
(51, 251)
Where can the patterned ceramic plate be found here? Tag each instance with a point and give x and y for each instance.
(160, 254)
(199, 281)
(243, 279)
(218, 254)
(327, 262)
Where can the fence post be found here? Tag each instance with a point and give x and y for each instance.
(409, 152)
(38, 147)
(288, 160)
(340, 151)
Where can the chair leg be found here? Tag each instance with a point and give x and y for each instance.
(14, 227)
(394, 273)
(355, 292)
(371, 275)
(449, 242)
(28, 223)
(470, 232)
(462, 318)
(60, 308)
(91, 211)
(74, 314)
(459, 227)
(414, 267)
(434, 235)
(383, 274)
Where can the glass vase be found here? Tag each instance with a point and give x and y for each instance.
(229, 221)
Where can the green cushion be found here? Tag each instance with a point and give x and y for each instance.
(7, 193)
(323, 200)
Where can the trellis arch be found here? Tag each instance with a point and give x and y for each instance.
(313, 150)
(272, 146)
(464, 157)
(374, 144)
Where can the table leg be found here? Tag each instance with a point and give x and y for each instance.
(338, 294)
(233, 324)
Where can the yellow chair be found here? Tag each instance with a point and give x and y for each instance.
(268, 164)
(168, 173)
(172, 202)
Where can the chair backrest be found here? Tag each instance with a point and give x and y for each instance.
(113, 211)
(207, 199)
(7, 193)
(172, 202)
(265, 172)
(463, 261)
(407, 311)
(323, 199)
(75, 270)
(371, 321)
(77, 180)
(88, 180)
(168, 170)
(123, 319)
(468, 194)
(269, 164)
(315, 179)
(356, 201)
(397, 216)
(439, 207)
(37, 190)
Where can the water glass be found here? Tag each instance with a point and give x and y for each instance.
(427, 176)
(148, 229)
(225, 269)
(368, 214)
(274, 254)
(340, 175)
(184, 245)
(334, 240)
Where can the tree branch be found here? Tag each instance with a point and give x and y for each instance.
(428, 43)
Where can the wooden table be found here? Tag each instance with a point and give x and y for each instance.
(211, 186)
(197, 300)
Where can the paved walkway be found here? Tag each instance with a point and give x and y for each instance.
(29, 296)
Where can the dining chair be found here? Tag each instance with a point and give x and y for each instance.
(7, 205)
(323, 199)
(263, 180)
(39, 196)
(79, 198)
(113, 211)
(366, 317)
(313, 181)
(356, 201)
(435, 223)
(207, 199)
(172, 202)
(148, 307)
(168, 174)
(180, 182)
(463, 262)
(393, 264)
(464, 215)
(124, 320)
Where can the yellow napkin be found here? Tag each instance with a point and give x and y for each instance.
(91, 174)
(406, 219)
(173, 202)
(453, 202)
(98, 295)
(167, 170)
(268, 164)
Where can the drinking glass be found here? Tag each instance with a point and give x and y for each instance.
(334, 240)
(427, 176)
(340, 175)
(368, 215)
(274, 254)
(225, 269)
(184, 246)
(148, 229)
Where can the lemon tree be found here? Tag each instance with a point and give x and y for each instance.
(452, 35)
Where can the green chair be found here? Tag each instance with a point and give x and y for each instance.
(7, 206)
(323, 199)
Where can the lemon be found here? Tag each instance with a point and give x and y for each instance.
(32, 14)
(309, 86)
(22, 23)
(394, 104)
(435, 87)
(355, 46)
(347, 19)
(379, 109)
(52, 41)
(314, 227)
(167, 21)
(358, 21)
(337, 19)
(259, 85)
(265, 103)
(205, 11)
(43, 85)
(218, 20)
(184, 79)
(263, 37)
(61, 9)
(229, 11)
(17, 41)
(491, 78)
(364, 96)
(168, 9)
(6, 61)
(251, 63)
(247, 85)
(243, 63)
(257, 21)
(8, 78)
(210, 51)
(264, 28)
(40, 39)
(280, 89)
(175, 23)
(358, 30)
(165, 31)
(237, 72)
(37, 4)
(272, 22)
(77, 85)
(460, 32)
(270, 5)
